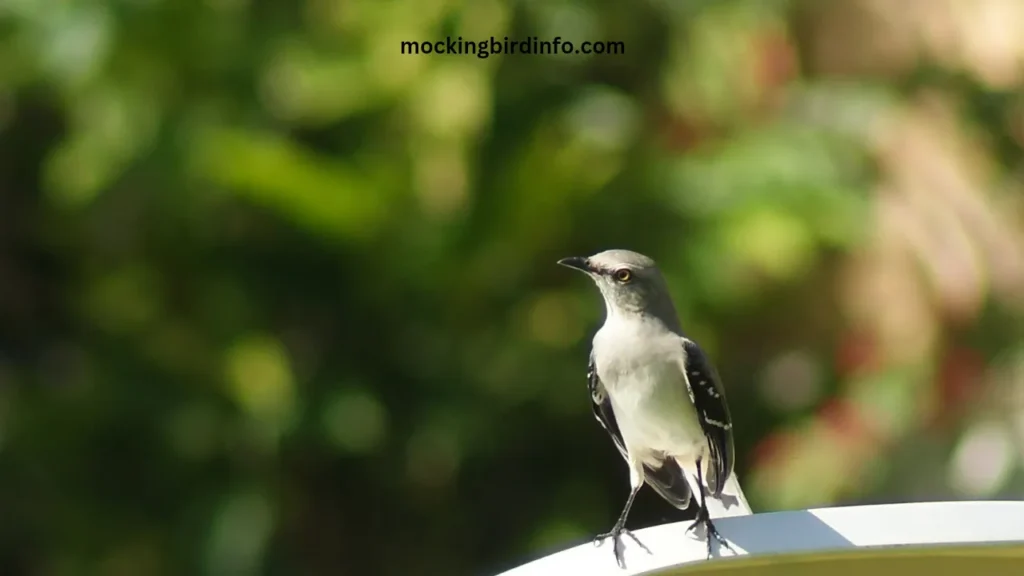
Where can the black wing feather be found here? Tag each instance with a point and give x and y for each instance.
(713, 412)
(668, 480)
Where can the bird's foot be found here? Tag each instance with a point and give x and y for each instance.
(616, 535)
(712, 534)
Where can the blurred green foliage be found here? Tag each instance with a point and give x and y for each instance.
(277, 299)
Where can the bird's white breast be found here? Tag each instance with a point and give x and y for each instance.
(648, 392)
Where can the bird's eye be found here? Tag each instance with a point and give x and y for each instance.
(623, 275)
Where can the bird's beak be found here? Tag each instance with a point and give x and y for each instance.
(577, 262)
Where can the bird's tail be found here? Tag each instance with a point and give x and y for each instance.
(732, 501)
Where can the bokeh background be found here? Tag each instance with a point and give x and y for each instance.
(276, 299)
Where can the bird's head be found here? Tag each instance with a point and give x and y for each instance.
(629, 282)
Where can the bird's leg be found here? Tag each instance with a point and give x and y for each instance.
(704, 517)
(619, 529)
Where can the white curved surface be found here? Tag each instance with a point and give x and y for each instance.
(799, 531)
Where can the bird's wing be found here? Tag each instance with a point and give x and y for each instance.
(668, 480)
(708, 396)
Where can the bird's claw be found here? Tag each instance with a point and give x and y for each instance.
(712, 533)
(617, 547)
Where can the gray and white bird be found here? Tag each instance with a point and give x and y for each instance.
(658, 396)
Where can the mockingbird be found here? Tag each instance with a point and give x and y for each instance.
(658, 396)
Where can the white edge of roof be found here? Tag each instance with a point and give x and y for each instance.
(815, 530)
